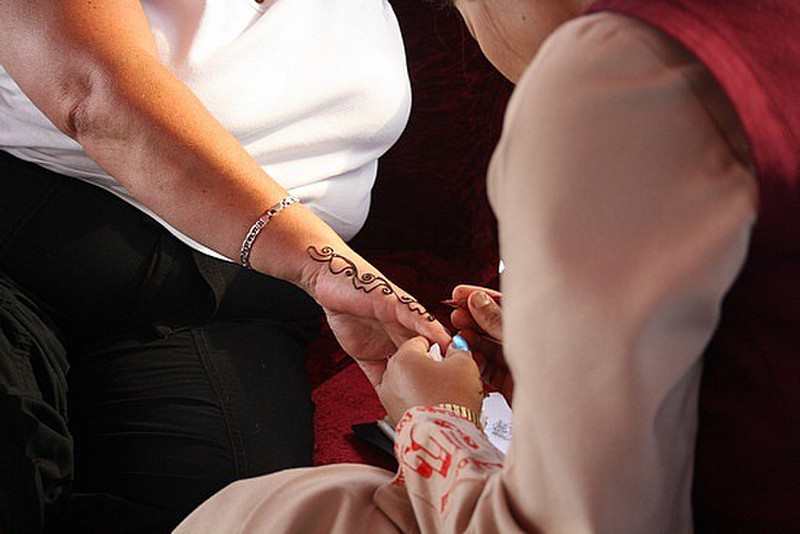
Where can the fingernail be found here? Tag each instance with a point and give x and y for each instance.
(460, 343)
(482, 299)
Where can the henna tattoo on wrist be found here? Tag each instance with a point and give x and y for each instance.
(366, 282)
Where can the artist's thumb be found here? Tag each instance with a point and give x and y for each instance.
(486, 313)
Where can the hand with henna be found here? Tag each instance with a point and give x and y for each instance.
(138, 120)
(479, 319)
(413, 379)
(369, 315)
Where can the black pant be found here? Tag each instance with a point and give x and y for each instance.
(183, 372)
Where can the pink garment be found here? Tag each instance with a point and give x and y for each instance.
(748, 450)
(625, 202)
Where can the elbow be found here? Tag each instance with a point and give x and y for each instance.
(75, 105)
(96, 105)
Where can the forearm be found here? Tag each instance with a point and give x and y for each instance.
(145, 128)
(106, 88)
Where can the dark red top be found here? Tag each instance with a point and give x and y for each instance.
(747, 472)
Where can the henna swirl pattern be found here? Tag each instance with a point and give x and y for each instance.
(366, 282)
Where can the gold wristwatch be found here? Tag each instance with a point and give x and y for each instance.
(464, 413)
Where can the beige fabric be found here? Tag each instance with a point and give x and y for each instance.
(625, 213)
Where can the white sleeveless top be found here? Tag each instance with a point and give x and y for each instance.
(315, 90)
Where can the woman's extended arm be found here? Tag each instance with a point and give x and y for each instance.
(92, 68)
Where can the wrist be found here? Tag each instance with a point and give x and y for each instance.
(281, 249)
(463, 412)
(260, 224)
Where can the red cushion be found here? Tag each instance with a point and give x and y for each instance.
(342, 401)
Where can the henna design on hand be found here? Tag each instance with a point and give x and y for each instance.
(367, 282)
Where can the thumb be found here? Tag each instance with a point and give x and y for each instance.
(486, 313)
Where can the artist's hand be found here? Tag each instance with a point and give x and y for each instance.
(479, 319)
(413, 379)
(369, 315)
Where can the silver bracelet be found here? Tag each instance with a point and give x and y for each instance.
(247, 244)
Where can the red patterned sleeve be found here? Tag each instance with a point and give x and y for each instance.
(445, 463)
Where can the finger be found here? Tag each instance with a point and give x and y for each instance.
(434, 331)
(462, 292)
(481, 342)
(413, 316)
(409, 326)
(472, 337)
(459, 344)
(416, 347)
(486, 313)
(461, 320)
(488, 354)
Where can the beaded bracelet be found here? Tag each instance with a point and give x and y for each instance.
(247, 244)
(464, 413)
